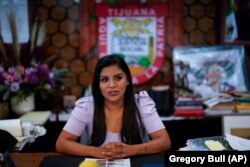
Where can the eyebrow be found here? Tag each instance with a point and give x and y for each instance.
(113, 75)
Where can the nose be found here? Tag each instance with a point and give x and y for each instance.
(112, 83)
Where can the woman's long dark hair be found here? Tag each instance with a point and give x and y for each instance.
(132, 130)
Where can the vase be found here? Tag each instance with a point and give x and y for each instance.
(23, 106)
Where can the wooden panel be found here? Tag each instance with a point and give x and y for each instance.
(241, 132)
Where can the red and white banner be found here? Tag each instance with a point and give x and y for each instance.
(136, 32)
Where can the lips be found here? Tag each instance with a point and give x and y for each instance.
(112, 93)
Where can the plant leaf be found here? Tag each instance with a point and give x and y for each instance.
(41, 34)
(13, 29)
(33, 36)
(3, 51)
(6, 95)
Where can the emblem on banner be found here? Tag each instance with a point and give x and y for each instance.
(137, 33)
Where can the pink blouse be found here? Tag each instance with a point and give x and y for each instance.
(81, 117)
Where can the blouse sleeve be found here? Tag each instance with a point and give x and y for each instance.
(148, 112)
(80, 117)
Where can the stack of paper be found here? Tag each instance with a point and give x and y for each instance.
(13, 126)
(238, 143)
(217, 143)
(113, 163)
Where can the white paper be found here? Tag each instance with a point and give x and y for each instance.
(13, 126)
(112, 163)
(238, 143)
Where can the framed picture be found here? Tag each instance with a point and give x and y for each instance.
(210, 70)
(237, 125)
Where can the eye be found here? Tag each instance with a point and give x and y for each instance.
(104, 79)
(118, 77)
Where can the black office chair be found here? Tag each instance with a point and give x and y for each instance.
(7, 143)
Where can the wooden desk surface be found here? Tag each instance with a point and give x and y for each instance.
(29, 159)
(34, 159)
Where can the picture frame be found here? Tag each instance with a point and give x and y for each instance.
(210, 70)
(237, 125)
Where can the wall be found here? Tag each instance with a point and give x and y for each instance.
(72, 35)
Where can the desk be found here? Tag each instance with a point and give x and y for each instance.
(29, 159)
(179, 130)
(57, 160)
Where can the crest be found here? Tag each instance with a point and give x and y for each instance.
(137, 33)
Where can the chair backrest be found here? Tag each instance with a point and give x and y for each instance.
(163, 99)
(7, 141)
(6, 160)
(84, 138)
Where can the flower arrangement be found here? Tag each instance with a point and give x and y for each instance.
(21, 82)
(23, 68)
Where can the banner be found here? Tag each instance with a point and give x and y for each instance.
(137, 33)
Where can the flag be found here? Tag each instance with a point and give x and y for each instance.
(231, 32)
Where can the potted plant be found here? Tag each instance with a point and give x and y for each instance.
(24, 70)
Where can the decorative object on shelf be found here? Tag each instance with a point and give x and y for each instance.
(69, 102)
(24, 68)
(21, 107)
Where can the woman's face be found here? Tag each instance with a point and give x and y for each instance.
(215, 74)
(113, 83)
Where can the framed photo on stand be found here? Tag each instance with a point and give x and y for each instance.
(210, 70)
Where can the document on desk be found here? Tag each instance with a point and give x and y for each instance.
(112, 163)
(238, 143)
(13, 126)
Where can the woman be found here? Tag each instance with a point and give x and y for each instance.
(116, 119)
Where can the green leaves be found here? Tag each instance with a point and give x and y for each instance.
(111, 2)
(144, 62)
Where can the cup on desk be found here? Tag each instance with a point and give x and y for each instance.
(69, 102)
(29, 129)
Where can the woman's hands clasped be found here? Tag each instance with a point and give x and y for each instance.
(115, 150)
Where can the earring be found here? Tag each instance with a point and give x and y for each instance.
(127, 83)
